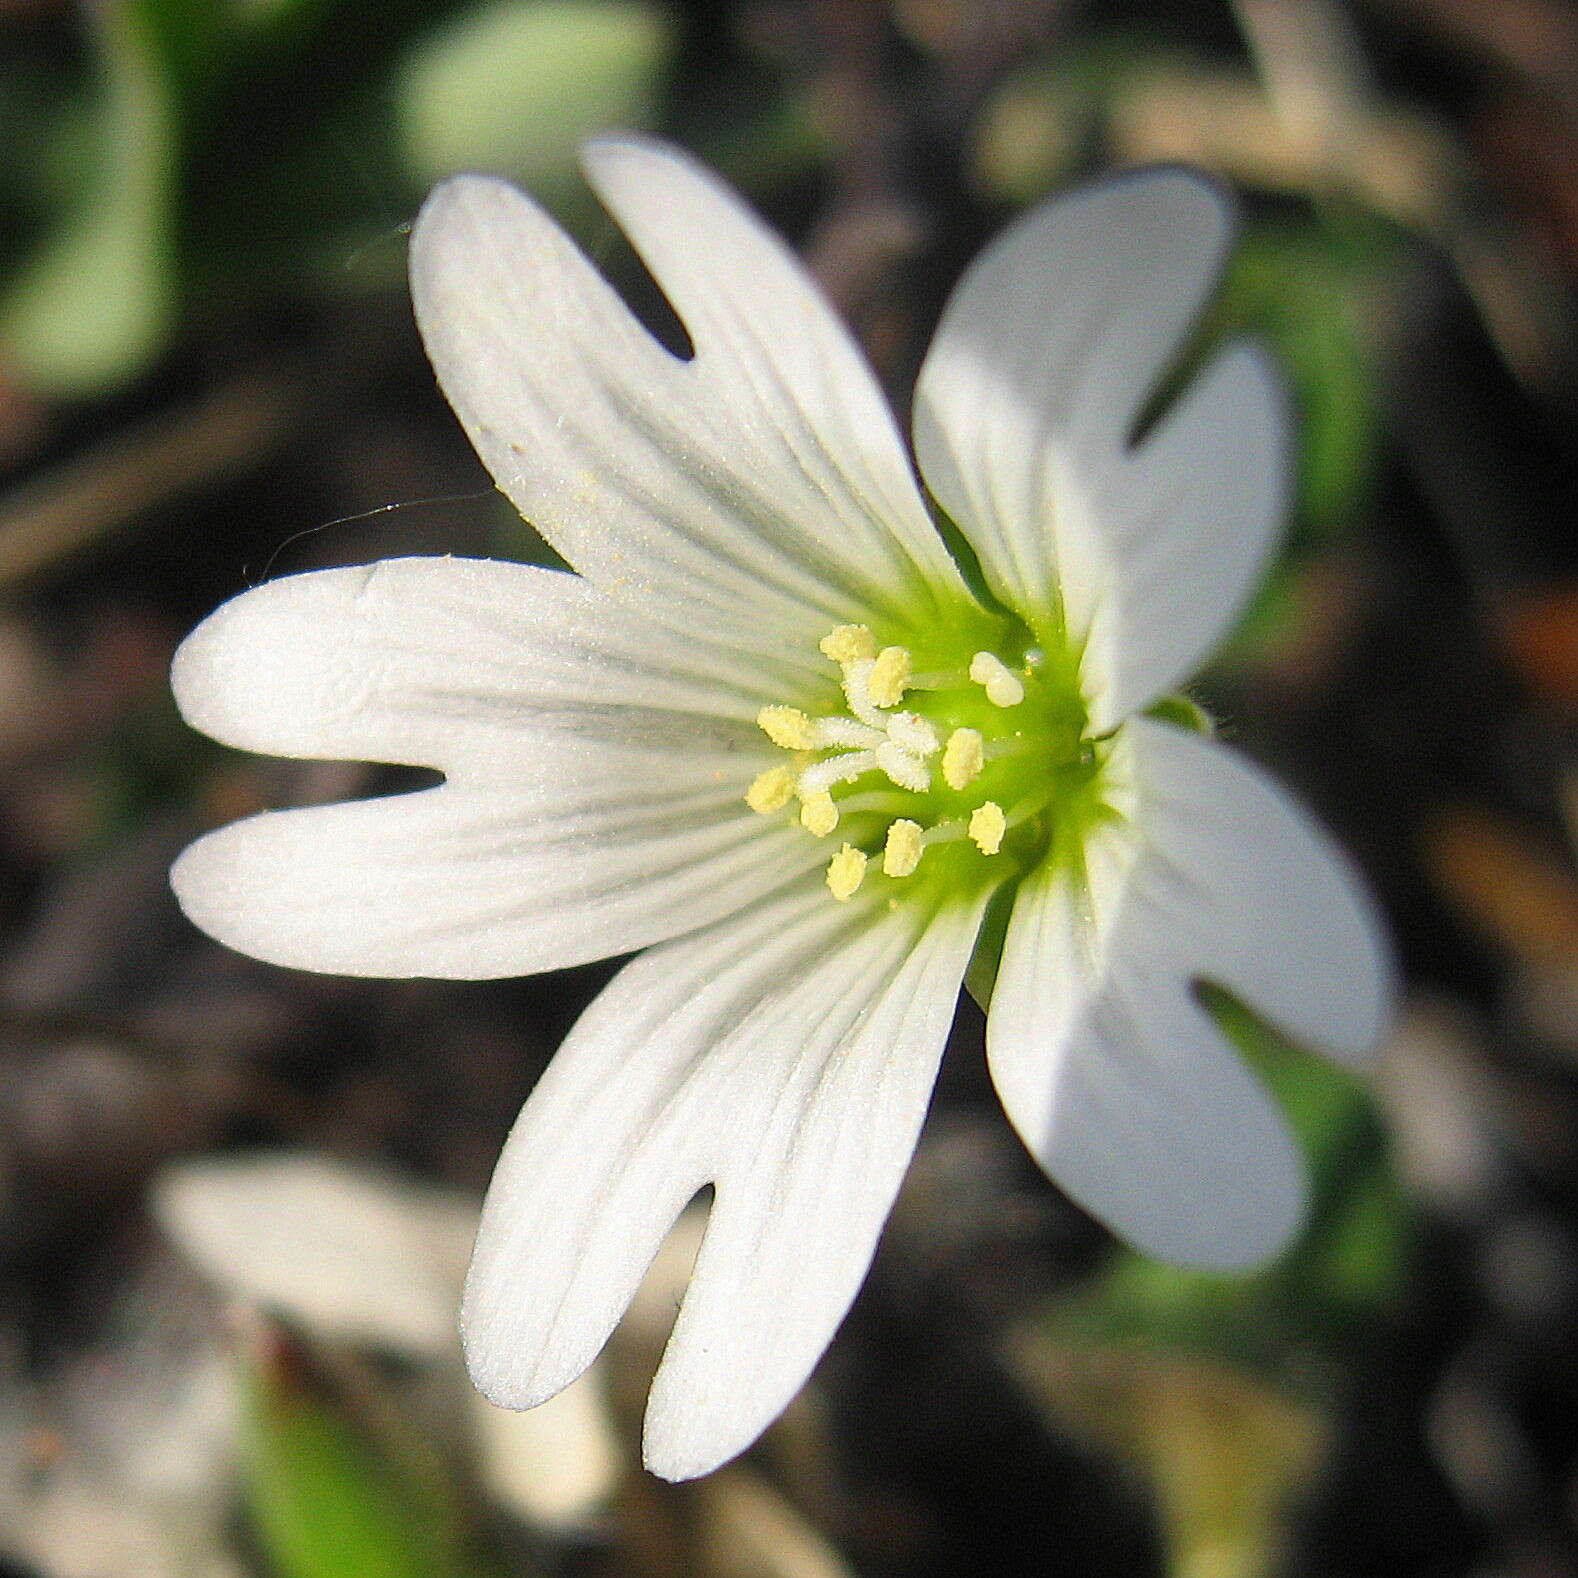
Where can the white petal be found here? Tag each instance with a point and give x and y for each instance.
(596, 767)
(786, 1055)
(279, 1230)
(450, 663)
(759, 491)
(1025, 412)
(1117, 1079)
(471, 885)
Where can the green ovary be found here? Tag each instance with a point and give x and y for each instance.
(939, 760)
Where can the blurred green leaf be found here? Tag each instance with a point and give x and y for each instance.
(513, 88)
(1047, 120)
(90, 309)
(273, 15)
(183, 36)
(1304, 289)
(331, 1495)
(1301, 289)
(1225, 1452)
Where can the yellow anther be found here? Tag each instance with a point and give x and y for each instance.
(902, 852)
(890, 676)
(788, 727)
(770, 791)
(963, 757)
(845, 872)
(818, 815)
(847, 643)
(1003, 687)
(987, 826)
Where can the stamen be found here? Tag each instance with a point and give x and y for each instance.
(848, 733)
(857, 692)
(890, 676)
(787, 727)
(901, 854)
(770, 791)
(821, 776)
(870, 765)
(885, 802)
(845, 872)
(900, 766)
(1003, 688)
(847, 643)
(818, 815)
(913, 733)
(987, 826)
(963, 758)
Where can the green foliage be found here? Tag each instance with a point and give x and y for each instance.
(333, 1492)
(254, 148)
(97, 300)
(514, 88)
(1297, 286)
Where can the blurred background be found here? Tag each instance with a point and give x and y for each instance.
(236, 1201)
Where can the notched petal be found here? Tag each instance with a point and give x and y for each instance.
(786, 1055)
(759, 490)
(1117, 1078)
(1050, 349)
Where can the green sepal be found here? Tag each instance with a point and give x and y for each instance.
(981, 976)
(1183, 712)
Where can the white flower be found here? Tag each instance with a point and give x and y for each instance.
(771, 734)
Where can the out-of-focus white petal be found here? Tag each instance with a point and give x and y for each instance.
(759, 491)
(596, 765)
(786, 1055)
(1025, 414)
(278, 1229)
(1118, 1080)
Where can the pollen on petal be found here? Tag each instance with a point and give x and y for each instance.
(901, 854)
(848, 643)
(890, 676)
(1003, 687)
(987, 826)
(788, 727)
(845, 872)
(818, 815)
(770, 791)
(963, 757)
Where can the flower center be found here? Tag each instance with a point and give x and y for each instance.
(961, 765)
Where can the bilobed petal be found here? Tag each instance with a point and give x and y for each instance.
(595, 769)
(1025, 415)
(759, 490)
(473, 884)
(449, 663)
(786, 1055)
(1117, 1079)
